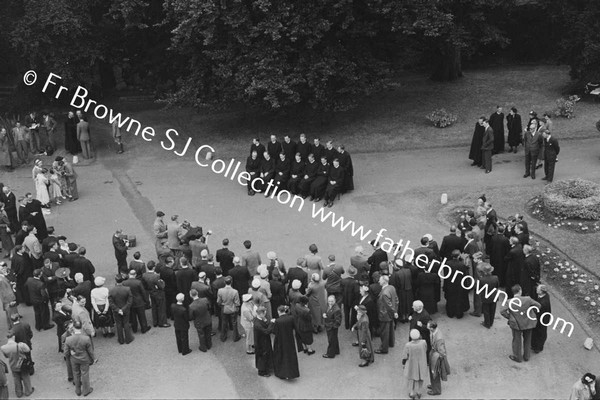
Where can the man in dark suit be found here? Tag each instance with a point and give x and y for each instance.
(120, 251)
(80, 353)
(240, 275)
(156, 288)
(497, 123)
(199, 313)
(23, 269)
(52, 253)
(350, 297)
(520, 323)
(332, 319)
(487, 146)
(22, 330)
(69, 259)
(367, 300)
(184, 277)
(376, 259)
(139, 304)
(258, 147)
(499, 248)
(540, 332)
(515, 262)
(168, 276)
(551, 150)
(120, 301)
(426, 251)
(387, 307)
(225, 257)
(289, 147)
(10, 206)
(451, 242)
(83, 265)
(39, 298)
(532, 142)
(60, 318)
(181, 322)
(488, 303)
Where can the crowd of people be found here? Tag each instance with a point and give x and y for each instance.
(37, 135)
(304, 169)
(540, 145)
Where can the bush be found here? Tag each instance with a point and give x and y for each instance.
(565, 107)
(442, 118)
(573, 198)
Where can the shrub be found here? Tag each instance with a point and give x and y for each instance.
(441, 118)
(573, 198)
(565, 107)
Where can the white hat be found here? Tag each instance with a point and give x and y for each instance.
(415, 334)
(264, 273)
(203, 253)
(99, 281)
(256, 283)
(428, 236)
(296, 284)
(399, 262)
(271, 255)
(246, 297)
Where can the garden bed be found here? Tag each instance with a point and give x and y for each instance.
(535, 208)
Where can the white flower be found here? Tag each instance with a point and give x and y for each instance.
(593, 304)
(567, 263)
(547, 263)
(587, 298)
(556, 270)
(574, 275)
(564, 277)
(596, 287)
(571, 283)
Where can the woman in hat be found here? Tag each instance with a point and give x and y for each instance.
(285, 359)
(262, 342)
(414, 360)
(317, 301)
(103, 318)
(247, 321)
(364, 336)
(303, 325)
(41, 187)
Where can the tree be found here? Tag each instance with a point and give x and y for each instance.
(276, 53)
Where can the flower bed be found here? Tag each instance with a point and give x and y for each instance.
(573, 198)
(535, 208)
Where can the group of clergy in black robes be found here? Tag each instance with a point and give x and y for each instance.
(515, 130)
(301, 168)
(27, 209)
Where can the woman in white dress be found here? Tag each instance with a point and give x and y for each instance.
(41, 188)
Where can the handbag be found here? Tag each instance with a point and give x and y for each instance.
(364, 353)
(25, 364)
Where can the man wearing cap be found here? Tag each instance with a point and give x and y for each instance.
(182, 325)
(259, 297)
(80, 353)
(387, 307)
(250, 258)
(156, 288)
(240, 275)
(584, 388)
(229, 300)
(120, 251)
(350, 297)
(225, 258)
(120, 301)
(200, 314)
(139, 304)
(39, 298)
(540, 332)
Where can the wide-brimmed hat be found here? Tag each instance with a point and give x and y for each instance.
(352, 271)
(62, 272)
(246, 297)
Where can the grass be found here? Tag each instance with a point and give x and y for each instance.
(393, 120)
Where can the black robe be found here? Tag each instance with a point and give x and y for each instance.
(476, 142)
(253, 165)
(515, 262)
(499, 248)
(310, 173)
(38, 219)
(497, 124)
(285, 359)
(304, 149)
(260, 150)
(289, 149)
(317, 151)
(263, 351)
(72, 145)
(298, 170)
(428, 291)
(530, 276)
(331, 154)
(274, 149)
(317, 188)
(457, 298)
(515, 128)
(282, 171)
(346, 163)
(10, 206)
(277, 295)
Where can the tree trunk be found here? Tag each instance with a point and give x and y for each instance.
(447, 63)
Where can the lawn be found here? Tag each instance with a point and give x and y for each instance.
(395, 119)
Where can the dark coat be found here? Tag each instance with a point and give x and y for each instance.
(184, 278)
(450, 243)
(492, 282)
(346, 164)
(476, 142)
(277, 295)
(530, 276)
(240, 278)
(402, 281)
(428, 290)
(263, 351)
(37, 291)
(120, 298)
(497, 124)
(85, 266)
(515, 262)
(551, 149)
(225, 259)
(120, 252)
(23, 333)
(333, 317)
(181, 319)
(285, 359)
(515, 129)
(299, 274)
(376, 258)
(499, 248)
(457, 298)
(199, 313)
(371, 306)
(140, 297)
(424, 318)
(488, 140)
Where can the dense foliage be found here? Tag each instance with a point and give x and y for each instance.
(275, 54)
(573, 198)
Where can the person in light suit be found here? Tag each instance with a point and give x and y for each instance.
(522, 320)
(80, 353)
(83, 135)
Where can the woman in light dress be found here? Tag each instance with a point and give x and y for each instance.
(41, 188)
(54, 190)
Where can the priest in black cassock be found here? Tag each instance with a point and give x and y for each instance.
(497, 124)
(285, 359)
(258, 147)
(515, 129)
(346, 163)
(296, 174)
(35, 216)
(335, 183)
(253, 168)
(263, 352)
(310, 174)
(475, 152)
